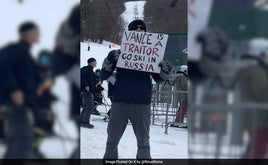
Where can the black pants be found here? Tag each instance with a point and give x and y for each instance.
(87, 106)
(139, 115)
(75, 103)
(19, 133)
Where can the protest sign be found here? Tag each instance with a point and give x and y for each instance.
(142, 51)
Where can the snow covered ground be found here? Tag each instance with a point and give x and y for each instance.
(128, 15)
(169, 146)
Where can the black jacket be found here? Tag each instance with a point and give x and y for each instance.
(132, 86)
(18, 72)
(88, 78)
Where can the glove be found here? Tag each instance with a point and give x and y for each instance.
(108, 66)
(113, 56)
(214, 43)
(109, 62)
(166, 68)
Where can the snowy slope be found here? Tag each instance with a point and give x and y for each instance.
(128, 15)
(171, 146)
(98, 51)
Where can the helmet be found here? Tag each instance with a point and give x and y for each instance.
(258, 46)
(98, 72)
(184, 68)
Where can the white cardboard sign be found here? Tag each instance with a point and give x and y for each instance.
(142, 51)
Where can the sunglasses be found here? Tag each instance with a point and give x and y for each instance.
(138, 26)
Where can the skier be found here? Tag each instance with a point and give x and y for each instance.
(88, 82)
(131, 100)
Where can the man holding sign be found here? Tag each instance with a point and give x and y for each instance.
(140, 58)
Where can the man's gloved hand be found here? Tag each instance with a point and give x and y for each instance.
(214, 43)
(109, 62)
(113, 56)
(166, 68)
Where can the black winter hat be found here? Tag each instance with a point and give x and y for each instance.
(26, 26)
(137, 23)
(91, 60)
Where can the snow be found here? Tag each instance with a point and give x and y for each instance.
(99, 52)
(128, 15)
(47, 14)
(169, 146)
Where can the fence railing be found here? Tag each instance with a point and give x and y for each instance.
(165, 105)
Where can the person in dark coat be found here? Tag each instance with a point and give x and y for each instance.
(88, 82)
(131, 100)
(19, 84)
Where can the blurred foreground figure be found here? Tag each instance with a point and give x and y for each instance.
(18, 90)
(65, 60)
(253, 81)
(227, 87)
